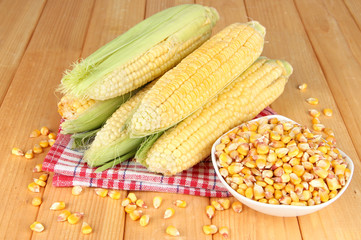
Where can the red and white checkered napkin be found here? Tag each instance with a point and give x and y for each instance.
(71, 170)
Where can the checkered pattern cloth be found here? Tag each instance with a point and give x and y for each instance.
(71, 170)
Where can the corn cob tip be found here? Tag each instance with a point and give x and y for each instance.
(258, 27)
(287, 66)
(214, 13)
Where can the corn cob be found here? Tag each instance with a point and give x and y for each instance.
(198, 78)
(71, 107)
(107, 144)
(94, 116)
(190, 141)
(141, 54)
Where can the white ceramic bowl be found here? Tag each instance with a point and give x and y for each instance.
(279, 210)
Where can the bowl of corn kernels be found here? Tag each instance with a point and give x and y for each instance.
(278, 167)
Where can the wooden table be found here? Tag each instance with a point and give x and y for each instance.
(38, 41)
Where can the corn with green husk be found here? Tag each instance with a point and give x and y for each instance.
(141, 54)
(198, 78)
(190, 141)
(109, 140)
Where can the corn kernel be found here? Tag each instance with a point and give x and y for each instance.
(224, 202)
(17, 151)
(75, 217)
(339, 169)
(347, 174)
(86, 228)
(312, 101)
(314, 113)
(210, 210)
(278, 194)
(328, 112)
(302, 86)
(172, 231)
(44, 177)
(29, 154)
(285, 200)
(36, 201)
(135, 215)
(37, 227)
(298, 203)
(51, 142)
(126, 202)
(39, 182)
(52, 136)
(318, 127)
(37, 148)
(169, 212)
(101, 192)
(38, 167)
(210, 229)
(224, 231)
(249, 193)
(113, 194)
(63, 216)
(33, 187)
(333, 183)
(57, 206)
(157, 201)
(322, 173)
(140, 203)
(44, 131)
(258, 192)
(76, 190)
(318, 183)
(332, 194)
(130, 208)
(323, 194)
(273, 201)
(217, 205)
(44, 143)
(237, 207)
(35, 133)
(144, 220)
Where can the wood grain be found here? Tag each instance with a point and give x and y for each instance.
(288, 40)
(354, 7)
(15, 33)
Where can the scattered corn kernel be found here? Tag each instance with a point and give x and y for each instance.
(173, 231)
(130, 207)
(37, 227)
(169, 212)
(51, 142)
(315, 121)
(217, 205)
(44, 131)
(224, 202)
(328, 112)
(17, 151)
(86, 228)
(126, 202)
(76, 190)
(57, 206)
(75, 217)
(210, 229)
(314, 113)
(52, 136)
(135, 215)
(35, 133)
(132, 197)
(210, 210)
(37, 148)
(38, 167)
(29, 154)
(237, 207)
(318, 127)
(114, 194)
(101, 192)
(36, 201)
(141, 203)
(33, 187)
(312, 101)
(224, 231)
(302, 86)
(63, 216)
(180, 203)
(39, 182)
(44, 177)
(144, 220)
(157, 201)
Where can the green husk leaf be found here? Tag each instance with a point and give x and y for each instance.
(84, 139)
(145, 146)
(115, 162)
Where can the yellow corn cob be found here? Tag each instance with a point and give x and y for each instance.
(104, 146)
(141, 54)
(71, 107)
(198, 78)
(190, 141)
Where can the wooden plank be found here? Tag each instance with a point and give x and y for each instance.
(288, 40)
(106, 216)
(18, 20)
(354, 6)
(239, 224)
(341, 64)
(30, 103)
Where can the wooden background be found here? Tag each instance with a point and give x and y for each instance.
(38, 41)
